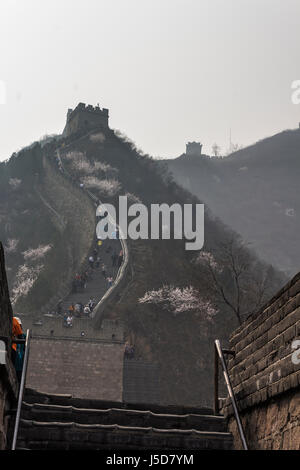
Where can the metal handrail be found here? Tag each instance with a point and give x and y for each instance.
(21, 390)
(219, 355)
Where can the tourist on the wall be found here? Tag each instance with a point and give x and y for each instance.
(104, 270)
(114, 259)
(17, 352)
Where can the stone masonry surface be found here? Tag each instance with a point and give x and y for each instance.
(265, 379)
(92, 369)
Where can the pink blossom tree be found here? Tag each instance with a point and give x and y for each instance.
(179, 300)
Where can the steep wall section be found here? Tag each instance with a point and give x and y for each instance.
(73, 215)
(266, 373)
(43, 209)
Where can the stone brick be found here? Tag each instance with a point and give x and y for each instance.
(271, 418)
(274, 424)
(294, 289)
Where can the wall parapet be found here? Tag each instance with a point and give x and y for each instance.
(265, 373)
(8, 379)
(263, 365)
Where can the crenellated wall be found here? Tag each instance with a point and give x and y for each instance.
(85, 118)
(265, 373)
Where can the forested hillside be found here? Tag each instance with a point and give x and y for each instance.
(255, 191)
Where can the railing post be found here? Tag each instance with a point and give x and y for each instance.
(231, 392)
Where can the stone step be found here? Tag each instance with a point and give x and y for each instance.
(120, 416)
(73, 436)
(32, 396)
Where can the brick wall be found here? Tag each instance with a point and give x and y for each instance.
(5, 307)
(82, 368)
(85, 119)
(141, 382)
(266, 380)
(8, 380)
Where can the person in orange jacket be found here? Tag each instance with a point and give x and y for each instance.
(17, 332)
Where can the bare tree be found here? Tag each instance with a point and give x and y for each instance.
(233, 148)
(237, 279)
(216, 150)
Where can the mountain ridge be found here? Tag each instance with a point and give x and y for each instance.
(255, 191)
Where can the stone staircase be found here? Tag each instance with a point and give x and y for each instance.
(61, 422)
(97, 284)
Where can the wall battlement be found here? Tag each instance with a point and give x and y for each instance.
(194, 149)
(86, 117)
(265, 375)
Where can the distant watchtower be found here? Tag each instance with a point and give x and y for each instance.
(85, 117)
(193, 149)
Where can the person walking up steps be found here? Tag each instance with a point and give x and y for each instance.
(104, 270)
(91, 304)
(98, 261)
(87, 311)
(17, 333)
(114, 259)
(120, 258)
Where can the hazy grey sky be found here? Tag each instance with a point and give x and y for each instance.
(169, 71)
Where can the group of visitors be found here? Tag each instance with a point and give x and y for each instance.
(95, 262)
(79, 282)
(79, 310)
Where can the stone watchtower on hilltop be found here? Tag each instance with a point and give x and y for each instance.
(85, 117)
(193, 149)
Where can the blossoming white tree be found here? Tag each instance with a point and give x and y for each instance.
(80, 163)
(74, 155)
(25, 279)
(179, 300)
(105, 168)
(34, 254)
(133, 198)
(106, 187)
(14, 183)
(83, 166)
(11, 245)
(207, 258)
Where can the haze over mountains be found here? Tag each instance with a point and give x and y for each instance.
(255, 191)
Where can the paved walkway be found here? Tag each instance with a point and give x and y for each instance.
(97, 284)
